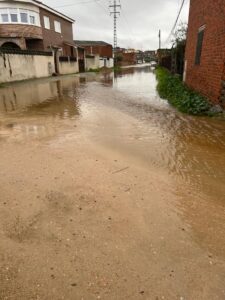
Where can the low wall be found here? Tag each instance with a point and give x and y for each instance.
(68, 67)
(92, 62)
(14, 67)
(107, 63)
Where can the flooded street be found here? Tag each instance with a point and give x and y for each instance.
(107, 192)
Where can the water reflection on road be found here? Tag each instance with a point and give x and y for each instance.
(185, 145)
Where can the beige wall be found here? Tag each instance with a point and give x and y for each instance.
(104, 62)
(14, 67)
(93, 63)
(68, 67)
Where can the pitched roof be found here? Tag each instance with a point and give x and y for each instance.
(44, 6)
(90, 43)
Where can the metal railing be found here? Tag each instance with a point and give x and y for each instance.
(67, 59)
(25, 52)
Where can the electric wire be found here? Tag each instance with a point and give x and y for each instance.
(78, 3)
(175, 24)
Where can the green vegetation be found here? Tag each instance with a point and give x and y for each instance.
(185, 100)
(104, 69)
(94, 70)
(116, 68)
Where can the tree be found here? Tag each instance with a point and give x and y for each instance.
(180, 35)
(178, 48)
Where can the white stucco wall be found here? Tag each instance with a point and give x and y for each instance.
(92, 63)
(68, 67)
(104, 62)
(14, 67)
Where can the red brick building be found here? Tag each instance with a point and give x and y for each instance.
(100, 48)
(30, 24)
(205, 49)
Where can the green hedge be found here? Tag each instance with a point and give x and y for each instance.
(185, 100)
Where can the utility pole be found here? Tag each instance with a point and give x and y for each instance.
(115, 12)
(159, 39)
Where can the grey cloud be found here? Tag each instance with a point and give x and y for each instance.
(138, 24)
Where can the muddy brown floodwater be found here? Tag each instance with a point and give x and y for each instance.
(106, 192)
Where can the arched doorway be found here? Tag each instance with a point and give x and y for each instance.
(10, 45)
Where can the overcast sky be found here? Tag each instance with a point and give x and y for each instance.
(138, 24)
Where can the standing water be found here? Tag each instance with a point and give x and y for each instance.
(120, 118)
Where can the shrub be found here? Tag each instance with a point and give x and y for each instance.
(185, 100)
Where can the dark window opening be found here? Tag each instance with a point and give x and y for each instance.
(199, 46)
(10, 45)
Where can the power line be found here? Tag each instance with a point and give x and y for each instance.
(175, 24)
(73, 4)
(127, 23)
(102, 6)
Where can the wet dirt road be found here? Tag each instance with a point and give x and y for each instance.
(108, 193)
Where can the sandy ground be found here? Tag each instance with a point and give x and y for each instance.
(80, 219)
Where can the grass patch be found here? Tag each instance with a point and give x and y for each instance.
(116, 69)
(94, 70)
(185, 100)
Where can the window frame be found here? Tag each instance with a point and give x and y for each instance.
(59, 29)
(4, 12)
(47, 24)
(8, 11)
(13, 12)
(199, 45)
(24, 12)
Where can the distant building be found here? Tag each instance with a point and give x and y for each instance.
(150, 55)
(205, 49)
(140, 59)
(126, 58)
(101, 50)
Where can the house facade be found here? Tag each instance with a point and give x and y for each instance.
(150, 55)
(101, 52)
(32, 25)
(205, 49)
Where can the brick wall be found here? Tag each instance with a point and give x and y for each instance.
(206, 77)
(127, 58)
(103, 51)
(50, 37)
(24, 31)
(21, 42)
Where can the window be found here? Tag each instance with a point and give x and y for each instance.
(4, 17)
(13, 15)
(46, 22)
(57, 26)
(32, 20)
(200, 39)
(19, 15)
(23, 16)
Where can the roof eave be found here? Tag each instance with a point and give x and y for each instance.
(46, 7)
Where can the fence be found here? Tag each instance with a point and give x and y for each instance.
(25, 52)
(67, 59)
